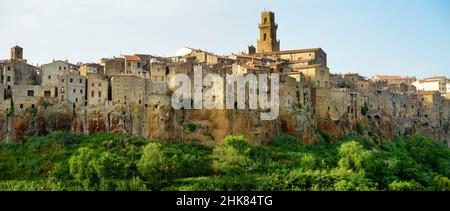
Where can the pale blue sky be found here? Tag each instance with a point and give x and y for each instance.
(396, 37)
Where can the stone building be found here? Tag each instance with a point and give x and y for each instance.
(72, 89)
(158, 78)
(97, 91)
(437, 83)
(309, 56)
(340, 103)
(92, 69)
(394, 79)
(32, 96)
(128, 89)
(52, 72)
(134, 66)
(18, 72)
(431, 107)
(113, 66)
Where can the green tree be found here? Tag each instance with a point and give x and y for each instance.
(233, 156)
(156, 165)
(405, 186)
(82, 168)
(353, 156)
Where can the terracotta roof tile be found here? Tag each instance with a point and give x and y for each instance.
(132, 58)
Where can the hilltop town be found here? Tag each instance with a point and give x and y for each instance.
(130, 94)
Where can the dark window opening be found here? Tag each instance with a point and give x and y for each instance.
(30, 93)
(47, 93)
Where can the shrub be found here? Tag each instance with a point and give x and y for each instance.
(353, 156)
(325, 136)
(308, 161)
(135, 184)
(233, 156)
(61, 171)
(360, 128)
(82, 168)
(405, 186)
(285, 141)
(364, 110)
(159, 164)
(443, 183)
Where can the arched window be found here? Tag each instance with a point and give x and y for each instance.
(265, 20)
(265, 36)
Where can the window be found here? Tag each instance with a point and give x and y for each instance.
(99, 84)
(92, 84)
(71, 80)
(30, 93)
(81, 81)
(99, 94)
(92, 93)
(74, 91)
(21, 105)
(76, 100)
(64, 68)
(265, 37)
(8, 79)
(62, 80)
(47, 93)
(49, 77)
(81, 91)
(9, 68)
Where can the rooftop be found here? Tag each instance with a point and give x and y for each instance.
(132, 58)
(291, 51)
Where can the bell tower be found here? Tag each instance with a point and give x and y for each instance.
(17, 52)
(267, 41)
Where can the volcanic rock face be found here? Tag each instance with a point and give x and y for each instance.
(157, 120)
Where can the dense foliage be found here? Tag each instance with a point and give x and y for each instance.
(61, 161)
